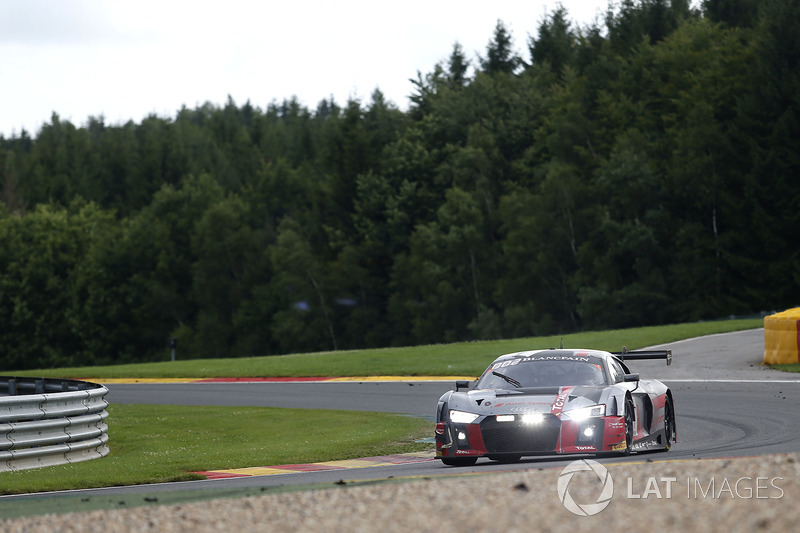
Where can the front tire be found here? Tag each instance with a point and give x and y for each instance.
(669, 425)
(630, 419)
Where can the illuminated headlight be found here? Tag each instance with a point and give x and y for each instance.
(504, 418)
(532, 418)
(462, 417)
(585, 412)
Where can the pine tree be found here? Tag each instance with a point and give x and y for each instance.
(500, 55)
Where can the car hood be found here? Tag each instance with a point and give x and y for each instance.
(527, 400)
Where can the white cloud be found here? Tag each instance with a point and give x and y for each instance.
(124, 59)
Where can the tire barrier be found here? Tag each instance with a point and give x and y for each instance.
(46, 422)
(782, 337)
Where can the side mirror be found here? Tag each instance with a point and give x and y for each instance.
(462, 384)
(631, 377)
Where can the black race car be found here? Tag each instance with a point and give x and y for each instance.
(555, 401)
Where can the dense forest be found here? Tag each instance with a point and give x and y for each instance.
(643, 170)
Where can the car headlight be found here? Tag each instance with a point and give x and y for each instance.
(532, 418)
(583, 413)
(462, 417)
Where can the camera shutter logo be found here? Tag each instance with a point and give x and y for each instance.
(586, 509)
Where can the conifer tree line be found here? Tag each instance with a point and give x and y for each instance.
(639, 171)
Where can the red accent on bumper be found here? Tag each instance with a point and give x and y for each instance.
(613, 432)
(475, 438)
(472, 446)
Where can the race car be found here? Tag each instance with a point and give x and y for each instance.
(555, 401)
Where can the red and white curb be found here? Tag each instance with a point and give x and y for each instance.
(365, 462)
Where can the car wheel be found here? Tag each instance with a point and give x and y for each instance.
(629, 421)
(669, 425)
(459, 461)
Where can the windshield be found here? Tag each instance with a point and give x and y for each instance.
(544, 371)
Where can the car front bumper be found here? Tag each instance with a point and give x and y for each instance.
(551, 435)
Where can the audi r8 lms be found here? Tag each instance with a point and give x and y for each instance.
(555, 401)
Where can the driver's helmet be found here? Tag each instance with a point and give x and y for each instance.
(588, 374)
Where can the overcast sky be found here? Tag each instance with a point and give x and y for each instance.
(126, 59)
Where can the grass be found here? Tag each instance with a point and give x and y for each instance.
(458, 359)
(788, 367)
(162, 443)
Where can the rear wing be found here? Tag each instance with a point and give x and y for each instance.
(639, 355)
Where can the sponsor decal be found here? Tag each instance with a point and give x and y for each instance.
(507, 404)
(577, 357)
(621, 446)
(524, 410)
(561, 400)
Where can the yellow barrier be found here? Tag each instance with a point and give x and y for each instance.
(782, 337)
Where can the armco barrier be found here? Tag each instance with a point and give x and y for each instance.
(782, 337)
(45, 422)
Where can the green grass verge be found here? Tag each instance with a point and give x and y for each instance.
(161, 443)
(458, 359)
(789, 367)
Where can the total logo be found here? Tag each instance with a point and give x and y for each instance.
(603, 499)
